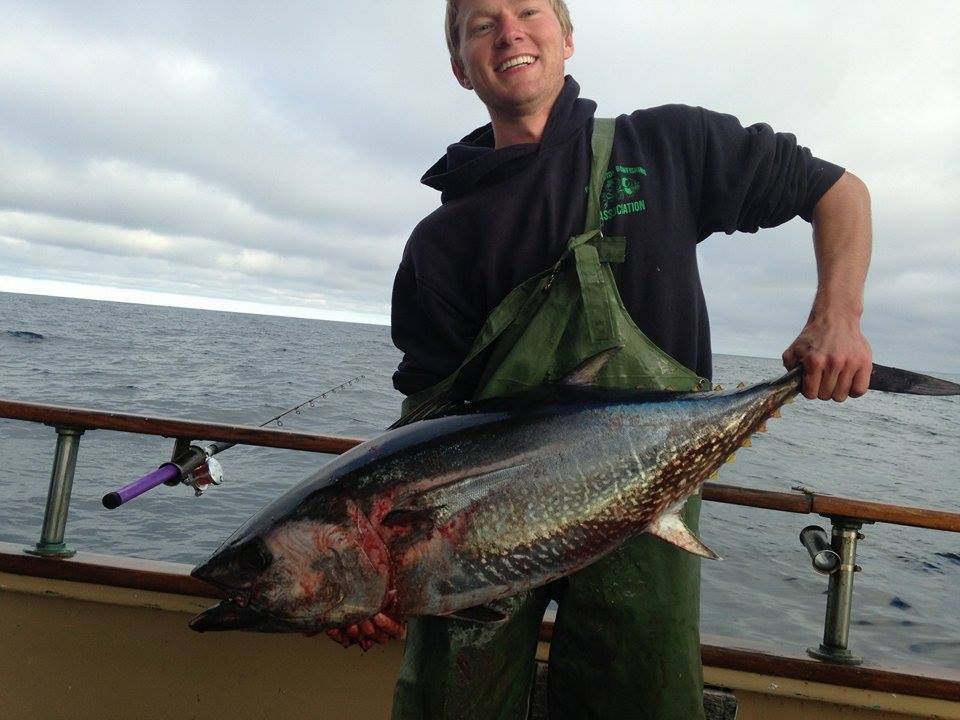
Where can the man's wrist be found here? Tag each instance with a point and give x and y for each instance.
(837, 306)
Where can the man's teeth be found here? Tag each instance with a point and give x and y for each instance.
(513, 62)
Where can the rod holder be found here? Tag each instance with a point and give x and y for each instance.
(814, 539)
(180, 447)
(58, 496)
(845, 534)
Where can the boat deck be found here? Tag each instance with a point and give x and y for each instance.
(107, 637)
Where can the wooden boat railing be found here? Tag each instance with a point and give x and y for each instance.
(847, 516)
(804, 502)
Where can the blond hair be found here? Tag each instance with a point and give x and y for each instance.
(453, 36)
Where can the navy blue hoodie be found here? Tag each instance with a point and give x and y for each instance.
(677, 174)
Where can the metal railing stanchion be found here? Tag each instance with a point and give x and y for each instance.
(836, 624)
(58, 497)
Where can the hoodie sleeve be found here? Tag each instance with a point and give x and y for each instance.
(754, 177)
(432, 335)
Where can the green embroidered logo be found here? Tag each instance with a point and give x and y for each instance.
(618, 195)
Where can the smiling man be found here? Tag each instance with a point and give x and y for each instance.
(513, 193)
(517, 81)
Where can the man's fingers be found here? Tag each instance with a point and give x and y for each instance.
(841, 390)
(811, 381)
(861, 381)
(789, 358)
(338, 636)
(378, 629)
(387, 625)
(828, 382)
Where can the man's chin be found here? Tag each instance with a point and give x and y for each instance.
(519, 96)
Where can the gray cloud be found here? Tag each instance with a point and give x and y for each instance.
(281, 144)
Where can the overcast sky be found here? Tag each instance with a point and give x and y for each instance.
(250, 154)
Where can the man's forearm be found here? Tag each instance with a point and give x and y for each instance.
(842, 239)
(836, 356)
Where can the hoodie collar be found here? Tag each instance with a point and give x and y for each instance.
(473, 161)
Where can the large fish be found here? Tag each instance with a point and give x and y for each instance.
(446, 515)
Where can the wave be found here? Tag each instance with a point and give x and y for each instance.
(951, 556)
(24, 335)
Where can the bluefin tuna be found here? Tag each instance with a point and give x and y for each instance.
(446, 515)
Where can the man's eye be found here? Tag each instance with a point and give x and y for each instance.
(529, 12)
(481, 28)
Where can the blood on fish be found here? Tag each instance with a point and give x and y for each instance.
(455, 530)
(308, 590)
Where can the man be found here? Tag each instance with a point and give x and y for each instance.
(512, 195)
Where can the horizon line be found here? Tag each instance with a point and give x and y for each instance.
(154, 298)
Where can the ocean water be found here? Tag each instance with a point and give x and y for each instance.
(233, 368)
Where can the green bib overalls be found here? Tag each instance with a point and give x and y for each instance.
(626, 640)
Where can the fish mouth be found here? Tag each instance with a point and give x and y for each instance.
(227, 615)
(222, 578)
(233, 613)
(230, 614)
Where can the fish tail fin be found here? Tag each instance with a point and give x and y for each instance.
(889, 379)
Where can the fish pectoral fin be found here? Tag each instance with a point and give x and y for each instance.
(416, 518)
(439, 504)
(671, 528)
(479, 614)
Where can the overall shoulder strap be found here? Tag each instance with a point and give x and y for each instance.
(511, 318)
(602, 145)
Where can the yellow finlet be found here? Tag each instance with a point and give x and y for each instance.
(718, 387)
(741, 385)
(776, 413)
(746, 443)
(732, 459)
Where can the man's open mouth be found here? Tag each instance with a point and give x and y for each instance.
(517, 61)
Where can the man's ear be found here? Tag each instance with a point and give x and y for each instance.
(568, 47)
(460, 75)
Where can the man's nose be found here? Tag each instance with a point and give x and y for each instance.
(510, 33)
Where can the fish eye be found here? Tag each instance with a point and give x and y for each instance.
(255, 556)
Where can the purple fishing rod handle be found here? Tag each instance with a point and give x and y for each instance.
(164, 473)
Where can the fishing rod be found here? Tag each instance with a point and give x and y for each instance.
(194, 465)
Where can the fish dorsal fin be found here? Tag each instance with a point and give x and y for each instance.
(479, 614)
(585, 373)
(671, 528)
(433, 408)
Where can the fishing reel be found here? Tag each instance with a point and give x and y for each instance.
(194, 465)
(198, 468)
(210, 472)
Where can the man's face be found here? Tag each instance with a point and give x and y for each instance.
(513, 53)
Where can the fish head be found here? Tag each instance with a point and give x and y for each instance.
(303, 574)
